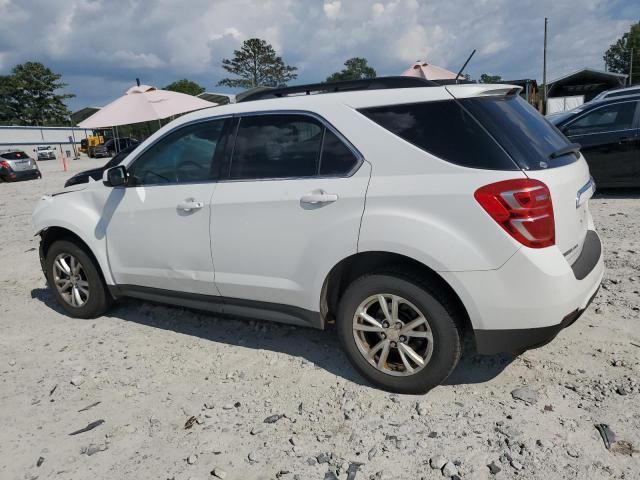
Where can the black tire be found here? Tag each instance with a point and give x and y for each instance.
(99, 299)
(434, 304)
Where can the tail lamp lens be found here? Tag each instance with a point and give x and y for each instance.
(523, 208)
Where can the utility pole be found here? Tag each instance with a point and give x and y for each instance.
(631, 68)
(544, 69)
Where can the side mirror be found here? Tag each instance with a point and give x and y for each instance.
(115, 177)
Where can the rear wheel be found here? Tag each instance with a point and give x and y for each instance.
(398, 332)
(76, 281)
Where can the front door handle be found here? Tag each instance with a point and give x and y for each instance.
(189, 205)
(317, 199)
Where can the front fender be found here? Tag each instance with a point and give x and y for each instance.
(82, 213)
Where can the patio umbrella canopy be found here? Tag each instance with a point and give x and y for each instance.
(430, 72)
(144, 103)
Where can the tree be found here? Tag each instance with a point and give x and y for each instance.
(185, 86)
(257, 64)
(28, 96)
(7, 100)
(486, 78)
(356, 68)
(618, 57)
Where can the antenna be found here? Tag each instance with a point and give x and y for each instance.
(138, 80)
(465, 65)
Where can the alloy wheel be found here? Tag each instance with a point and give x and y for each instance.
(393, 335)
(70, 280)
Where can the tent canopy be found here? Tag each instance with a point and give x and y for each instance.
(430, 72)
(144, 103)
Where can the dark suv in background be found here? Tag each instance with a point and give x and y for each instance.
(113, 146)
(608, 132)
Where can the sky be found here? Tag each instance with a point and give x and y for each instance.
(101, 46)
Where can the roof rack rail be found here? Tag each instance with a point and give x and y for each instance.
(344, 86)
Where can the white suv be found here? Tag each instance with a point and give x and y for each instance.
(409, 214)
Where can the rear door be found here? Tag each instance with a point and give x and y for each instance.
(608, 137)
(290, 206)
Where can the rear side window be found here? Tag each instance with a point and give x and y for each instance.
(337, 158)
(610, 118)
(526, 135)
(444, 129)
(276, 146)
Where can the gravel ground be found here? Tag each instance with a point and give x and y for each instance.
(180, 394)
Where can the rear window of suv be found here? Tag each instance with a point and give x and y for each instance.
(444, 129)
(526, 135)
(495, 133)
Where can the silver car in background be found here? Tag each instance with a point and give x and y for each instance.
(16, 165)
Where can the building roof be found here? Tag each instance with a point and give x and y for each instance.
(83, 113)
(587, 82)
(593, 71)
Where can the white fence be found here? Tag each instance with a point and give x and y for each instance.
(562, 104)
(21, 137)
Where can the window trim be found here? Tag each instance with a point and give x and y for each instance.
(634, 121)
(173, 130)
(325, 124)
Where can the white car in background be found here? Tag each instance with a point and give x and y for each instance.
(45, 153)
(410, 214)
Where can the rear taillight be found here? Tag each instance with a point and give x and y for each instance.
(4, 164)
(523, 207)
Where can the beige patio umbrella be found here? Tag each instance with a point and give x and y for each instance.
(144, 103)
(429, 71)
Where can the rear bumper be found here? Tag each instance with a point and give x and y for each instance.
(21, 175)
(489, 342)
(531, 298)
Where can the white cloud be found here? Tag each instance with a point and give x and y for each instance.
(101, 46)
(332, 9)
(377, 9)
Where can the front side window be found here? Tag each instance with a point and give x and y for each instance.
(618, 116)
(276, 146)
(183, 156)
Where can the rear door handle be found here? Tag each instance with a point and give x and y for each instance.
(190, 205)
(317, 198)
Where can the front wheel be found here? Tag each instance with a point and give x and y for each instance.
(398, 332)
(76, 281)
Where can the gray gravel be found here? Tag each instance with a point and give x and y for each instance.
(153, 367)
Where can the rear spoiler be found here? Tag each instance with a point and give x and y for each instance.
(483, 90)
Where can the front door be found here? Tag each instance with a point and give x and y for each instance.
(609, 142)
(158, 235)
(289, 209)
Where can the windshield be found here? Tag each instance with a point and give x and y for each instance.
(526, 135)
(118, 157)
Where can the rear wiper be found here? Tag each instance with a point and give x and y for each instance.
(571, 148)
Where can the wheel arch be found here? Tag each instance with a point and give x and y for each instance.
(49, 235)
(361, 263)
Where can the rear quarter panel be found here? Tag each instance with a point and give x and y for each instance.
(423, 207)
